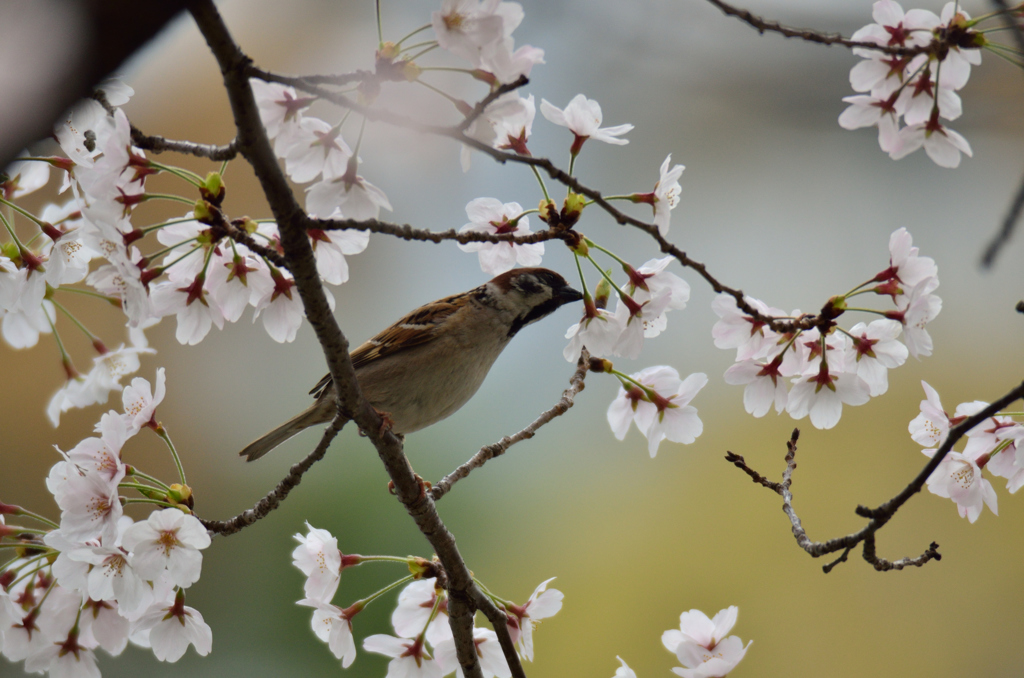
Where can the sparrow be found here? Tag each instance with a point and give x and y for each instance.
(431, 362)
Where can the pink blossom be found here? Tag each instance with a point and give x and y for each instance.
(318, 557)
(489, 215)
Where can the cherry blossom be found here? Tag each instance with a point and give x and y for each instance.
(701, 646)
(172, 628)
(416, 603)
(490, 215)
(64, 658)
(583, 117)
(95, 387)
(409, 657)
(942, 144)
(318, 557)
(314, 147)
(169, 540)
(915, 310)
(102, 624)
(662, 410)
(638, 320)
(665, 196)
(958, 477)
(488, 653)
(765, 384)
(507, 64)
(330, 248)
(89, 507)
(871, 111)
(825, 385)
(875, 350)
(23, 177)
(905, 265)
(345, 198)
(652, 279)
(1008, 461)
(332, 625)
(749, 336)
(598, 330)
(543, 603)
(624, 671)
(280, 107)
(932, 425)
(140, 402)
(469, 28)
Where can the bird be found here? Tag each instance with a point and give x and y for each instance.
(427, 365)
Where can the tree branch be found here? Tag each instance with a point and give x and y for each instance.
(407, 232)
(274, 498)
(878, 516)
(763, 26)
(782, 326)
(158, 144)
(293, 223)
(1000, 239)
(576, 384)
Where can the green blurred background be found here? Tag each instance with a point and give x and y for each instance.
(776, 199)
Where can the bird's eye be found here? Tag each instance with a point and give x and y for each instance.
(528, 285)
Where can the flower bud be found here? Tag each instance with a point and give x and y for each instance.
(577, 243)
(181, 494)
(602, 293)
(388, 50)
(411, 71)
(547, 212)
(202, 212)
(574, 203)
(212, 189)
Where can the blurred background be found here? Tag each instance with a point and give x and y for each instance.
(776, 199)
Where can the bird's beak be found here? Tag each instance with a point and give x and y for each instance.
(568, 295)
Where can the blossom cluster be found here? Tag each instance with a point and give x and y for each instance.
(203, 279)
(423, 644)
(100, 579)
(510, 121)
(810, 373)
(700, 645)
(996, 444)
(919, 85)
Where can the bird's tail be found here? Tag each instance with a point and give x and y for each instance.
(315, 414)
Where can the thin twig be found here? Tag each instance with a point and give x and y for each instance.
(292, 222)
(158, 144)
(274, 498)
(407, 232)
(488, 452)
(828, 39)
(499, 621)
(482, 105)
(1017, 206)
(881, 515)
(805, 322)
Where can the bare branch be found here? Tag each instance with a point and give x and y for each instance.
(278, 494)
(293, 224)
(828, 39)
(1000, 239)
(499, 621)
(340, 79)
(878, 517)
(576, 384)
(822, 321)
(482, 105)
(739, 462)
(160, 144)
(407, 232)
